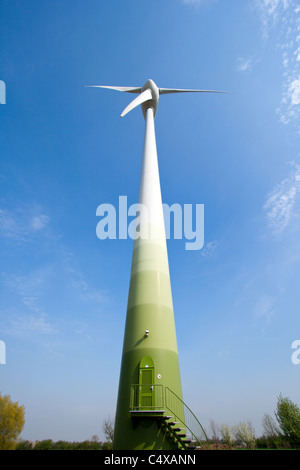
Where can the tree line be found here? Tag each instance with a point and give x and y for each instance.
(48, 444)
(281, 431)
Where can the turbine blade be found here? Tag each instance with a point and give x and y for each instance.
(165, 91)
(145, 96)
(129, 89)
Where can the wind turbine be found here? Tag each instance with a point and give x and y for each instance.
(149, 95)
(150, 411)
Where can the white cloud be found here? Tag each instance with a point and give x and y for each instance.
(23, 315)
(192, 2)
(24, 325)
(197, 3)
(294, 90)
(270, 11)
(209, 248)
(21, 225)
(85, 292)
(24, 311)
(289, 109)
(27, 289)
(264, 310)
(285, 17)
(38, 222)
(9, 226)
(244, 65)
(264, 307)
(281, 202)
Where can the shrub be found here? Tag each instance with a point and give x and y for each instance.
(245, 433)
(46, 444)
(24, 445)
(227, 436)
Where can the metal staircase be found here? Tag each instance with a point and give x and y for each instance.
(176, 419)
(177, 434)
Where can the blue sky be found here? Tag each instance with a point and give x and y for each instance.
(65, 150)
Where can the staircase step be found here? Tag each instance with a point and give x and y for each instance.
(178, 434)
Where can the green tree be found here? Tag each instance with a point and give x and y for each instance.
(62, 445)
(46, 444)
(24, 445)
(288, 417)
(12, 420)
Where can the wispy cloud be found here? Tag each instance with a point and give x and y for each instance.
(24, 325)
(264, 309)
(30, 286)
(284, 15)
(281, 203)
(25, 315)
(244, 65)
(38, 222)
(198, 3)
(294, 90)
(27, 309)
(76, 281)
(192, 2)
(26, 312)
(209, 248)
(270, 11)
(289, 109)
(22, 224)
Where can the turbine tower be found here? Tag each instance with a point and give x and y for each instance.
(150, 410)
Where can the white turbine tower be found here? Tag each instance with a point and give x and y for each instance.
(150, 384)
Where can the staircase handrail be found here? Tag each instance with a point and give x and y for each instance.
(187, 412)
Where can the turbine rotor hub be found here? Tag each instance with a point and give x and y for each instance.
(153, 103)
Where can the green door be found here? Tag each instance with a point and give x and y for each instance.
(146, 384)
